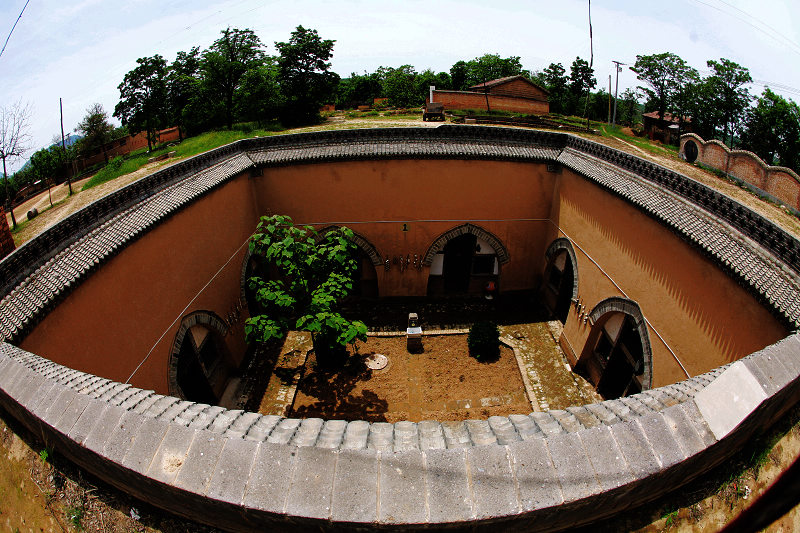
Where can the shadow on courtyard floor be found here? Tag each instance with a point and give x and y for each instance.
(454, 312)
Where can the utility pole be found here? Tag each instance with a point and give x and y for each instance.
(616, 90)
(608, 121)
(63, 144)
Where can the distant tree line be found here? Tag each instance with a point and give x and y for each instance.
(235, 81)
(719, 105)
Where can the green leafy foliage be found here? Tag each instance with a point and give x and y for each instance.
(728, 82)
(225, 64)
(772, 130)
(305, 76)
(143, 103)
(465, 74)
(96, 129)
(302, 281)
(484, 340)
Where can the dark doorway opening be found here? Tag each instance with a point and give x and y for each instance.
(615, 364)
(196, 364)
(562, 281)
(457, 266)
(365, 283)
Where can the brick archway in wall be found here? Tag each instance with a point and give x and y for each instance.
(438, 245)
(632, 310)
(212, 322)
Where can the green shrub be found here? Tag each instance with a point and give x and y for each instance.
(484, 340)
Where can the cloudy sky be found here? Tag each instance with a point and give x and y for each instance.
(81, 50)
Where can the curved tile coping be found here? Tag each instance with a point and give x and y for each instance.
(544, 471)
(236, 469)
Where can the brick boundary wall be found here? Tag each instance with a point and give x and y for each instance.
(497, 102)
(6, 239)
(779, 183)
(544, 471)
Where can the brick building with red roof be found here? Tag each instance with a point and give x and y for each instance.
(513, 93)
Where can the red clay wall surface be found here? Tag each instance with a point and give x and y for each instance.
(376, 198)
(705, 317)
(468, 100)
(127, 145)
(112, 320)
(518, 88)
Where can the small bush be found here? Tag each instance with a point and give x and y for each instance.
(484, 340)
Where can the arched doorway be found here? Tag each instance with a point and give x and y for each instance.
(366, 280)
(617, 358)
(463, 261)
(200, 367)
(560, 284)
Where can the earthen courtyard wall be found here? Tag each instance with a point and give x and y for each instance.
(118, 316)
(705, 317)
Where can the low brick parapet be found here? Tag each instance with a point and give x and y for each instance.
(543, 471)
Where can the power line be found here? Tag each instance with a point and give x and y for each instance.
(14, 26)
(790, 44)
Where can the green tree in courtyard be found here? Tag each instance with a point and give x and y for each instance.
(143, 102)
(488, 67)
(259, 96)
(359, 89)
(305, 76)
(302, 279)
(51, 164)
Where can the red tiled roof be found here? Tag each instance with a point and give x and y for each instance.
(500, 81)
(668, 117)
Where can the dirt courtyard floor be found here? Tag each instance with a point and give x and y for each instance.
(441, 383)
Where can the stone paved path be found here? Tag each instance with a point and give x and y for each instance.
(552, 381)
(282, 385)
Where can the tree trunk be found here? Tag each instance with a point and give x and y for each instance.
(229, 110)
(8, 198)
(329, 354)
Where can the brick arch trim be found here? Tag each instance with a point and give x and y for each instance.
(204, 318)
(360, 241)
(632, 309)
(438, 245)
(558, 245)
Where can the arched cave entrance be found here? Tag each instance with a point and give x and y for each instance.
(617, 358)
(366, 279)
(560, 285)
(464, 261)
(200, 367)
